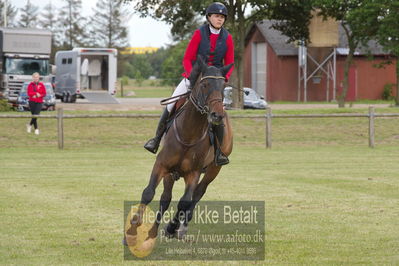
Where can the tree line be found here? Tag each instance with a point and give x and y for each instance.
(362, 21)
(105, 27)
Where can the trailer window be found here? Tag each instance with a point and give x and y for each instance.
(26, 66)
(64, 61)
(69, 60)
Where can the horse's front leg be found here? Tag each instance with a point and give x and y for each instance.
(158, 172)
(166, 197)
(179, 223)
(210, 174)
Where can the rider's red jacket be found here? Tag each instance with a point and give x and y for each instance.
(191, 53)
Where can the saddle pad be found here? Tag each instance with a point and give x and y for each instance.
(179, 104)
(175, 111)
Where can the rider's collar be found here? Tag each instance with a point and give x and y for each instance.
(213, 30)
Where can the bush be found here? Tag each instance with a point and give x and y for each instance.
(139, 78)
(125, 80)
(5, 106)
(387, 92)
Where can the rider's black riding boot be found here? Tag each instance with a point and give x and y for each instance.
(153, 144)
(220, 157)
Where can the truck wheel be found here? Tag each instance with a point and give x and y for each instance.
(64, 98)
(73, 98)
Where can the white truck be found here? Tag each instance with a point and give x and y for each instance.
(23, 51)
(84, 72)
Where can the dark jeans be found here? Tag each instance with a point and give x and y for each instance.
(35, 109)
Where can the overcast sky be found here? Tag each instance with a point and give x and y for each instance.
(142, 31)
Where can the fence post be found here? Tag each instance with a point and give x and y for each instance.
(121, 88)
(268, 127)
(371, 126)
(60, 127)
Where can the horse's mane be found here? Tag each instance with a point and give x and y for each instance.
(195, 73)
(198, 70)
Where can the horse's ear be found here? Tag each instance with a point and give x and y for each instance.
(201, 63)
(226, 69)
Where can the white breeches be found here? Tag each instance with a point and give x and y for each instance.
(180, 89)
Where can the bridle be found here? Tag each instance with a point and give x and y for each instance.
(200, 104)
(202, 108)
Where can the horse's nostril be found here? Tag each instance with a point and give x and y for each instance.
(215, 117)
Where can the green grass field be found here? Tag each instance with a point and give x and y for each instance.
(329, 198)
(146, 89)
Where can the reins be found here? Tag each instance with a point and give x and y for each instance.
(173, 99)
(193, 100)
(202, 109)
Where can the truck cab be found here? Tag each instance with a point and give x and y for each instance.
(22, 53)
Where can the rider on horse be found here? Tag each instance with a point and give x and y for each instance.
(215, 44)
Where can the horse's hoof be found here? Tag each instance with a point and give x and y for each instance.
(168, 234)
(181, 232)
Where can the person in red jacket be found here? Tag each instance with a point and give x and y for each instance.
(36, 93)
(213, 42)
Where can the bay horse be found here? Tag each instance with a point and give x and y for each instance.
(187, 152)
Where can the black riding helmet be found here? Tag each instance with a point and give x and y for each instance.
(216, 8)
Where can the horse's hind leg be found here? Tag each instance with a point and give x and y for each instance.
(210, 174)
(148, 194)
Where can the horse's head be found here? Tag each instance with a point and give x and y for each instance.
(207, 94)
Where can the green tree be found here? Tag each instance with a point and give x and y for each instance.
(48, 21)
(360, 24)
(141, 64)
(156, 60)
(172, 67)
(182, 13)
(11, 14)
(28, 16)
(108, 23)
(126, 69)
(139, 77)
(137, 64)
(72, 20)
(292, 18)
(388, 31)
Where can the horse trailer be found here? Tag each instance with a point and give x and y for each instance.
(82, 71)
